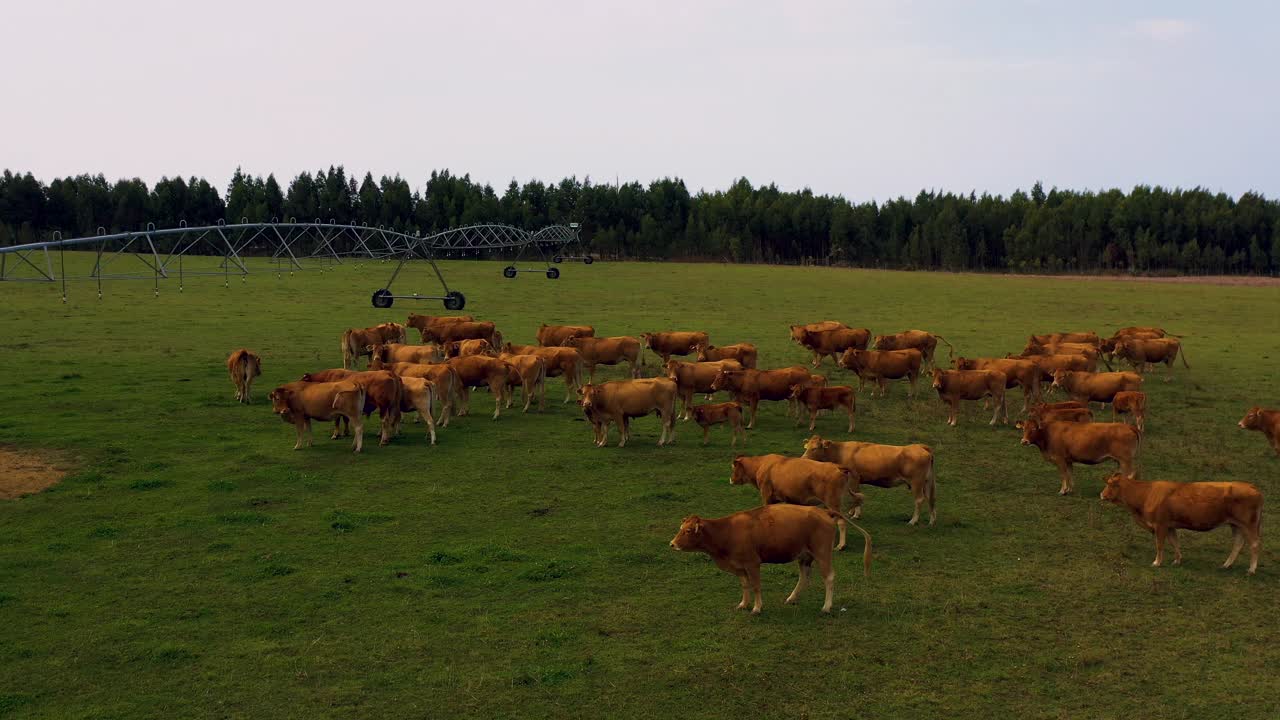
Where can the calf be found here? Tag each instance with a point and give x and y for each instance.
(619, 401)
(606, 351)
(726, 412)
(1018, 373)
(833, 342)
(478, 371)
(823, 398)
(1067, 443)
(925, 342)
(555, 335)
(744, 353)
(741, 542)
(883, 466)
(956, 385)
(1141, 353)
(382, 392)
(695, 377)
(561, 361)
(1095, 387)
(1266, 422)
(798, 481)
(530, 373)
(466, 348)
(243, 366)
(666, 344)
(301, 402)
(751, 386)
(881, 365)
(1131, 402)
(387, 353)
(442, 377)
(418, 396)
(1163, 508)
(357, 342)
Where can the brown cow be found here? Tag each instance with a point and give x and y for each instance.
(481, 371)
(555, 335)
(243, 366)
(383, 392)
(530, 373)
(418, 395)
(620, 400)
(1069, 411)
(1265, 421)
(782, 479)
(1063, 348)
(882, 365)
(741, 542)
(1067, 443)
(883, 466)
(666, 344)
(956, 385)
(798, 331)
(441, 376)
(1108, 345)
(833, 342)
(695, 377)
(751, 386)
(422, 322)
(744, 353)
(301, 402)
(707, 415)
(1095, 387)
(823, 398)
(1141, 353)
(1049, 364)
(1163, 508)
(606, 351)
(561, 361)
(1131, 402)
(466, 348)
(1087, 338)
(463, 330)
(1141, 330)
(357, 342)
(1018, 372)
(925, 342)
(389, 353)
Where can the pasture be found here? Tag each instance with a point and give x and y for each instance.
(193, 565)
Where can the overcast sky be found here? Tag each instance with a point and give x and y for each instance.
(869, 100)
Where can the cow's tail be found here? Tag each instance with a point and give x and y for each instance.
(1182, 352)
(951, 350)
(359, 393)
(838, 514)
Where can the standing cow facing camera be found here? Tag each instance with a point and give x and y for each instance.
(1266, 422)
(301, 402)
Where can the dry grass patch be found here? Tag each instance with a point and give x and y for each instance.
(23, 472)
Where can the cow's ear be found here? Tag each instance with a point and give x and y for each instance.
(826, 444)
(1018, 425)
(1132, 476)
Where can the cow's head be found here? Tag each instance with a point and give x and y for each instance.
(452, 348)
(964, 363)
(740, 475)
(798, 334)
(1111, 491)
(573, 341)
(690, 536)
(853, 359)
(646, 339)
(817, 381)
(796, 391)
(701, 349)
(308, 377)
(588, 393)
(673, 370)
(723, 379)
(1252, 420)
(815, 448)
(417, 321)
(1032, 432)
(1059, 379)
(937, 376)
(280, 400)
(883, 342)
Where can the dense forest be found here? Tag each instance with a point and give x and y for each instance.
(1147, 230)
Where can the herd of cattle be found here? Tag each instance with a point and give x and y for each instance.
(803, 499)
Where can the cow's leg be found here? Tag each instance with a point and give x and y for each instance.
(388, 423)
(753, 575)
(999, 403)
(425, 412)
(843, 527)
(1177, 547)
(917, 492)
(624, 431)
(746, 591)
(301, 428)
(751, 405)
(848, 409)
(706, 434)
(337, 427)
(1255, 544)
(1159, 531)
(1065, 471)
(358, 430)
(806, 564)
(954, 420)
(497, 389)
(931, 490)
(1237, 542)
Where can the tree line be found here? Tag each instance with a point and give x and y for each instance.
(1146, 230)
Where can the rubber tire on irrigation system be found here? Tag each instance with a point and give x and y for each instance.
(509, 271)
(553, 273)
(382, 298)
(557, 259)
(588, 260)
(455, 301)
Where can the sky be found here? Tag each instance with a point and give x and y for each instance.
(870, 100)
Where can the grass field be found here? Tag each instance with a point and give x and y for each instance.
(194, 565)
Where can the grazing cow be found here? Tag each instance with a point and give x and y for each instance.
(1265, 421)
(1163, 508)
(478, 371)
(666, 344)
(751, 386)
(606, 351)
(530, 373)
(418, 396)
(357, 342)
(920, 340)
(798, 331)
(1108, 345)
(1131, 402)
(463, 330)
(1143, 352)
(466, 348)
(301, 402)
(422, 322)
(1095, 387)
(1049, 364)
(389, 353)
(555, 335)
(383, 392)
(1067, 443)
(823, 398)
(744, 353)
(1069, 411)
(620, 400)
(707, 415)
(882, 365)
(741, 542)
(956, 385)
(695, 377)
(782, 479)
(833, 342)
(1064, 348)
(243, 366)
(561, 361)
(1087, 338)
(1018, 372)
(442, 377)
(883, 466)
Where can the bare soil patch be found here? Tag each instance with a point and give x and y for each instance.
(23, 472)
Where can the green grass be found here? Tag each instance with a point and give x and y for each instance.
(193, 565)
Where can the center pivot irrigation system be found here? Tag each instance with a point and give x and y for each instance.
(242, 248)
